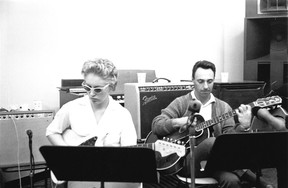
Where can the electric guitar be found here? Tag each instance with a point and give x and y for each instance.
(173, 163)
(162, 148)
(72, 139)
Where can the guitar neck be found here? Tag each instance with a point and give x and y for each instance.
(148, 145)
(215, 120)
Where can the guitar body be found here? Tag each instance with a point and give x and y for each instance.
(166, 165)
(173, 163)
(200, 134)
(71, 138)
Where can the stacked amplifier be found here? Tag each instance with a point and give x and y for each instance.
(146, 100)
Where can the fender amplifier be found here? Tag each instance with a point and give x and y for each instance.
(146, 100)
(14, 141)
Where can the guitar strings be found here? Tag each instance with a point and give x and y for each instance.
(18, 152)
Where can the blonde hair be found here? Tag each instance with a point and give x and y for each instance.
(103, 68)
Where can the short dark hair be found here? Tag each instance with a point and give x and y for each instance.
(203, 64)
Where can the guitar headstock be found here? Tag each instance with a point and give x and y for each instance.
(268, 102)
(167, 148)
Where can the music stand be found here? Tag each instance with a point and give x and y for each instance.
(104, 164)
(253, 151)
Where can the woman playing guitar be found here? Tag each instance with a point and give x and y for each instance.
(94, 118)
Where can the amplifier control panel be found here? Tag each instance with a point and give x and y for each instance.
(165, 88)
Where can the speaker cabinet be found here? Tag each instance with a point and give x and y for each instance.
(14, 142)
(266, 46)
(237, 93)
(266, 37)
(145, 101)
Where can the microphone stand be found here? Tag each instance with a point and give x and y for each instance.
(29, 132)
(192, 163)
(102, 184)
(194, 107)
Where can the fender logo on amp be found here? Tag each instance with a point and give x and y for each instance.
(148, 99)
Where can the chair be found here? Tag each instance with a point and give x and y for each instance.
(206, 182)
(200, 182)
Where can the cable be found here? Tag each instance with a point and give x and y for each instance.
(18, 152)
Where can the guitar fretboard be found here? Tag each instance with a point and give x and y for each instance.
(150, 146)
(215, 120)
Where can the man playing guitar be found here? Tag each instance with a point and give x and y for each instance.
(176, 116)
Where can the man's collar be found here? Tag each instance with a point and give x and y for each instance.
(211, 100)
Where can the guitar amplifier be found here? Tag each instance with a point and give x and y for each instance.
(14, 141)
(146, 100)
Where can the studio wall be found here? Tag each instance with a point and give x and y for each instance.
(44, 41)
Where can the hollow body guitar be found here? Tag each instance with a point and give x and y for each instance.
(173, 163)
